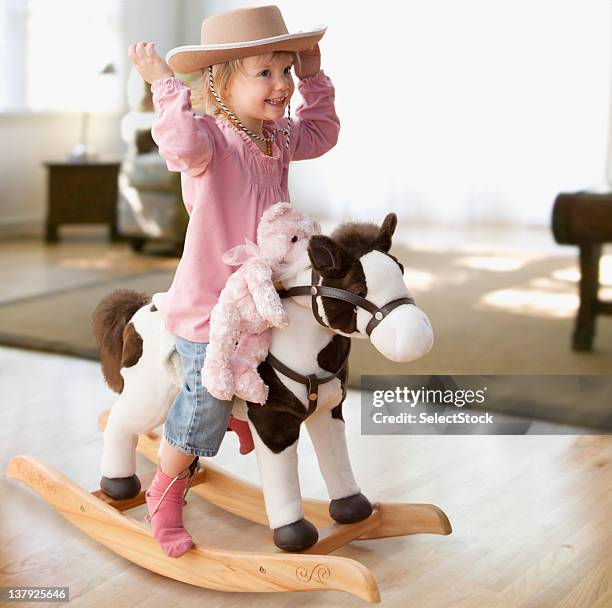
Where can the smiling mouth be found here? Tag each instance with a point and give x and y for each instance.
(277, 101)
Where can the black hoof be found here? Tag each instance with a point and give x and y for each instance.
(350, 509)
(296, 537)
(120, 488)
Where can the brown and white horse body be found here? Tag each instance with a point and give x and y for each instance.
(354, 259)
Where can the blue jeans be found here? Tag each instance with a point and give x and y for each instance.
(197, 421)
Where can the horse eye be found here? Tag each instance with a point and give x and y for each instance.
(294, 239)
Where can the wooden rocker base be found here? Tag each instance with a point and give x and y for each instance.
(104, 519)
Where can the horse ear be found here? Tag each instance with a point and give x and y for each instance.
(386, 232)
(327, 257)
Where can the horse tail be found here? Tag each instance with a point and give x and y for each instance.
(109, 321)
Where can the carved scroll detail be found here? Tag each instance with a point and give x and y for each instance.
(319, 573)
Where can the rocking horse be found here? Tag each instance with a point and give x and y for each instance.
(347, 286)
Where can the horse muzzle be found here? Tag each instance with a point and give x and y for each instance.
(405, 334)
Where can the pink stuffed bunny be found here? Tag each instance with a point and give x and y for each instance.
(249, 304)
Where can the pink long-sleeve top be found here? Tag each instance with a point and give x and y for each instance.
(227, 183)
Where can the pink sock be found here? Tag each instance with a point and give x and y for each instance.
(241, 428)
(167, 521)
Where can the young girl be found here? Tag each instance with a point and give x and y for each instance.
(234, 164)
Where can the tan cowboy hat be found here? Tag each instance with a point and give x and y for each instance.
(241, 33)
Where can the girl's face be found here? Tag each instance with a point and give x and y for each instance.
(263, 88)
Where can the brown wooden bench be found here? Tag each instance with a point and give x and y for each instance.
(585, 219)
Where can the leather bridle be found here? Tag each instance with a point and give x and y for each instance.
(315, 290)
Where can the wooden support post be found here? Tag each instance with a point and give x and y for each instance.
(584, 331)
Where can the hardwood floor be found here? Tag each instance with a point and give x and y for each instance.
(531, 514)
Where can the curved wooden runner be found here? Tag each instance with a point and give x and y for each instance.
(213, 568)
(224, 570)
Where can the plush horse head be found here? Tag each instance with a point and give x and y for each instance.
(355, 260)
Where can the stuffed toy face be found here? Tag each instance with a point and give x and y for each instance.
(282, 236)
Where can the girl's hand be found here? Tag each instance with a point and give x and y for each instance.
(149, 64)
(309, 63)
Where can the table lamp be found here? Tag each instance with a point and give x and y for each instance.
(80, 153)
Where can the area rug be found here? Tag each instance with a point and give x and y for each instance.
(60, 322)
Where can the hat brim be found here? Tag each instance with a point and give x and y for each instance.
(192, 58)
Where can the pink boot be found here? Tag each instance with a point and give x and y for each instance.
(165, 499)
(241, 428)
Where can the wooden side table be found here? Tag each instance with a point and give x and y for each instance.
(81, 193)
(585, 219)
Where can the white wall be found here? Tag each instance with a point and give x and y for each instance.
(355, 178)
(454, 112)
(29, 139)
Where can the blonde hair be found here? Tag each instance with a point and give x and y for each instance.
(202, 100)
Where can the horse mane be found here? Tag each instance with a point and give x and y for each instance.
(357, 238)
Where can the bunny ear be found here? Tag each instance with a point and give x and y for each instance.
(236, 255)
(251, 248)
(240, 253)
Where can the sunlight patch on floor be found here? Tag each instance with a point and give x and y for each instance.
(571, 274)
(550, 297)
(492, 263)
(418, 280)
(531, 301)
(605, 270)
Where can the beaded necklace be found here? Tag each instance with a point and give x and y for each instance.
(268, 140)
(237, 123)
